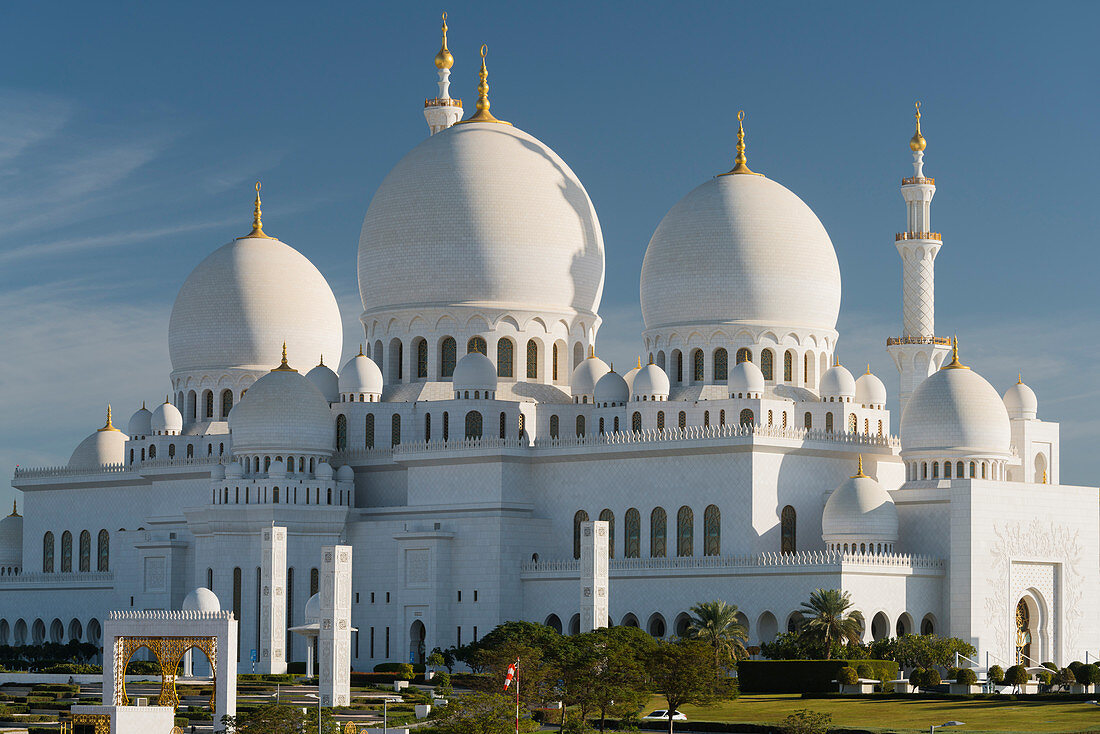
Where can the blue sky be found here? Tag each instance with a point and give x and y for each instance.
(131, 133)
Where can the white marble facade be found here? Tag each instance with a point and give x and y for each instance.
(463, 492)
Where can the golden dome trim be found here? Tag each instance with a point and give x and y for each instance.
(257, 220)
(917, 142)
(483, 114)
(741, 162)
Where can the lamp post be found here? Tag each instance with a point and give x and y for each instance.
(385, 716)
(932, 730)
(313, 695)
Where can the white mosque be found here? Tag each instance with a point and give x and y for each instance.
(460, 450)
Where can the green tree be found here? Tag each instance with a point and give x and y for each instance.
(1016, 676)
(683, 672)
(611, 677)
(826, 617)
(482, 713)
(715, 623)
(533, 645)
(271, 719)
(996, 675)
(847, 676)
(1088, 675)
(1066, 678)
(807, 722)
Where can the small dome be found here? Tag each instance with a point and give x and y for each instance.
(105, 446)
(955, 410)
(1020, 401)
(140, 423)
(650, 382)
(234, 471)
(745, 377)
(612, 388)
(629, 376)
(837, 382)
(870, 390)
(277, 470)
(217, 472)
(313, 609)
(345, 473)
(282, 411)
(201, 600)
(859, 510)
(326, 381)
(585, 376)
(323, 471)
(360, 375)
(11, 539)
(166, 419)
(475, 371)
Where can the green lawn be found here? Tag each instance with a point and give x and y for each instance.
(894, 715)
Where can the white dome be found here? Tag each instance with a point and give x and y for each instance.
(105, 446)
(745, 377)
(345, 473)
(217, 472)
(585, 376)
(313, 609)
(1020, 401)
(837, 382)
(859, 510)
(870, 390)
(360, 375)
(612, 388)
(282, 412)
(11, 539)
(166, 418)
(501, 219)
(650, 382)
(201, 600)
(955, 409)
(741, 249)
(244, 300)
(277, 470)
(324, 470)
(475, 371)
(140, 423)
(629, 376)
(234, 470)
(326, 381)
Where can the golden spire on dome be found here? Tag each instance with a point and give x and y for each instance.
(859, 472)
(955, 363)
(14, 513)
(322, 362)
(360, 349)
(591, 351)
(443, 59)
(166, 400)
(650, 359)
(108, 426)
(1020, 378)
(917, 142)
(483, 114)
(639, 363)
(868, 369)
(257, 220)
(284, 367)
(143, 405)
(741, 162)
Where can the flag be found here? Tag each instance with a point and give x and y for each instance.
(510, 674)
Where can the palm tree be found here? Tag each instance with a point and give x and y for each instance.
(826, 618)
(715, 623)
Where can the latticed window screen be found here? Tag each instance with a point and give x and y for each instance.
(721, 365)
(66, 552)
(580, 426)
(104, 561)
(341, 432)
(697, 365)
(660, 420)
(747, 418)
(395, 430)
(447, 357)
(633, 534)
(609, 517)
(658, 529)
(766, 364)
(712, 531)
(474, 425)
(636, 422)
(85, 551)
(47, 553)
(504, 358)
(681, 420)
(580, 517)
(553, 426)
(788, 367)
(422, 359)
(370, 431)
(685, 532)
(533, 360)
(788, 527)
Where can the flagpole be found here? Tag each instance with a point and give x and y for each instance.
(517, 696)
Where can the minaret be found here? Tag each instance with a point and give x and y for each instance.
(442, 112)
(918, 352)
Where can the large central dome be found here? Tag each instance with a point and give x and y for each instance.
(741, 249)
(482, 215)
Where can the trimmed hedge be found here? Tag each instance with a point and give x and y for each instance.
(803, 676)
(933, 696)
(398, 667)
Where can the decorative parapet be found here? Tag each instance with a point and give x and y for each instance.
(895, 340)
(441, 102)
(59, 579)
(834, 560)
(909, 181)
(166, 615)
(918, 236)
(136, 467)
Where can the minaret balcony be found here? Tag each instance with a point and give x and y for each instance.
(918, 236)
(439, 102)
(918, 180)
(895, 340)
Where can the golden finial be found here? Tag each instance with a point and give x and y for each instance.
(1044, 477)
(483, 114)
(13, 511)
(650, 359)
(166, 400)
(443, 59)
(591, 351)
(143, 405)
(257, 220)
(108, 426)
(917, 142)
(612, 366)
(360, 349)
(284, 367)
(859, 472)
(1020, 378)
(955, 363)
(741, 162)
(322, 362)
(868, 369)
(639, 363)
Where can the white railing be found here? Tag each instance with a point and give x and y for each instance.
(70, 471)
(761, 560)
(350, 456)
(85, 577)
(160, 614)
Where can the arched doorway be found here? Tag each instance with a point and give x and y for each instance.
(683, 621)
(880, 626)
(554, 623)
(794, 621)
(417, 633)
(904, 625)
(1027, 629)
(928, 625)
(630, 620)
(767, 627)
(656, 625)
(575, 625)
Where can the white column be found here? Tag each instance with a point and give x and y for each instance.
(273, 600)
(335, 632)
(594, 587)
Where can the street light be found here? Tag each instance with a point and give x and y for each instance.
(385, 716)
(314, 695)
(932, 730)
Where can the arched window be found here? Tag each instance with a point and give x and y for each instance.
(661, 359)
(722, 417)
(712, 531)
(341, 432)
(533, 360)
(446, 426)
(171, 451)
(935, 470)
(657, 533)
(681, 420)
(959, 470)
(397, 359)
(553, 426)
(395, 430)
(706, 418)
(554, 365)
(829, 422)
(853, 423)
(609, 517)
(788, 522)
(421, 359)
(477, 344)
(697, 366)
(370, 431)
(190, 451)
(880, 428)
(66, 552)
(503, 424)
(788, 366)
(685, 532)
(47, 553)
(767, 366)
(947, 470)
(633, 534)
(104, 551)
(85, 551)
(721, 365)
(427, 427)
(580, 426)
(770, 418)
(744, 354)
(473, 424)
(679, 365)
(973, 466)
(636, 422)
(601, 426)
(580, 517)
(521, 423)
(504, 358)
(227, 402)
(660, 420)
(447, 357)
(747, 418)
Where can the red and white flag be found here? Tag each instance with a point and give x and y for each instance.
(510, 674)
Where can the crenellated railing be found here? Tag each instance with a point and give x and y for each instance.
(137, 466)
(166, 615)
(761, 560)
(918, 236)
(60, 579)
(894, 340)
(910, 180)
(441, 102)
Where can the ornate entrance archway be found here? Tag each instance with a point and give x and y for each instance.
(1026, 622)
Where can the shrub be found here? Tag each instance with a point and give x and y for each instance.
(966, 677)
(399, 668)
(801, 676)
(1066, 677)
(1075, 665)
(847, 676)
(142, 667)
(952, 674)
(996, 675)
(1016, 675)
(865, 671)
(1050, 666)
(931, 677)
(1088, 674)
(807, 722)
(1045, 678)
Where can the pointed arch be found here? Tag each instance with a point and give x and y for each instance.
(712, 531)
(579, 517)
(633, 522)
(658, 533)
